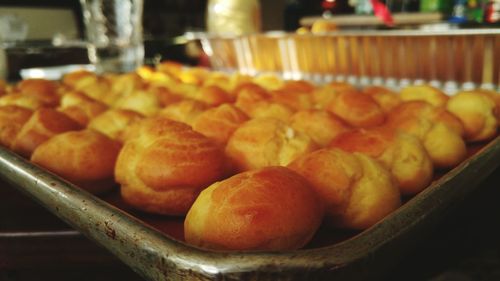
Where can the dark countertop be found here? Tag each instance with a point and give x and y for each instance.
(465, 246)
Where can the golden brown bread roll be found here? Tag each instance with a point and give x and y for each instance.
(164, 164)
(213, 95)
(227, 82)
(81, 108)
(71, 79)
(12, 119)
(495, 97)
(296, 100)
(356, 190)
(386, 99)
(445, 147)
(267, 209)
(322, 126)
(165, 96)
(409, 110)
(298, 86)
(193, 75)
(357, 110)
(220, 80)
(152, 77)
(33, 94)
(440, 131)
(249, 95)
(185, 111)
(21, 100)
(43, 90)
(96, 87)
(187, 91)
(266, 142)
(126, 84)
(257, 102)
(113, 122)
(477, 111)
(220, 122)
(43, 124)
(271, 110)
(425, 93)
(236, 80)
(325, 95)
(85, 158)
(296, 94)
(403, 154)
(143, 102)
(342, 87)
(249, 86)
(268, 81)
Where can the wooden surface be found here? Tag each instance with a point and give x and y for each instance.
(36, 245)
(371, 20)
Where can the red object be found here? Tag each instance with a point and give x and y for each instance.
(328, 5)
(492, 12)
(204, 60)
(382, 12)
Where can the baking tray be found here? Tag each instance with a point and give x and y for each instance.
(153, 247)
(451, 60)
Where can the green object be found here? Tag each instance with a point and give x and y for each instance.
(475, 10)
(430, 6)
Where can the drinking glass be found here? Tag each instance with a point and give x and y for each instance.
(114, 34)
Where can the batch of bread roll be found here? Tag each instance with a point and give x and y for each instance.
(253, 163)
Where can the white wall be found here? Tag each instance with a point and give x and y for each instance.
(43, 23)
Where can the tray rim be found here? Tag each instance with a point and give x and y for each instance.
(278, 34)
(156, 256)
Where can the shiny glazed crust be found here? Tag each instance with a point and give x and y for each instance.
(220, 122)
(266, 142)
(42, 125)
(356, 190)
(12, 119)
(164, 164)
(440, 131)
(357, 110)
(477, 111)
(85, 158)
(403, 154)
(267, 209)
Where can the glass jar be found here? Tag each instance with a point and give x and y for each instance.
(233, 17)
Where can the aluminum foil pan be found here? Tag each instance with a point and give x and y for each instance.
(450, 60)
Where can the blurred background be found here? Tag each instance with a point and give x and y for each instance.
(27, 35)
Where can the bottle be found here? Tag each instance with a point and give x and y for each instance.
(475, 10)
(458, 14)
(362, 7)
(492, 11)
(233, 17)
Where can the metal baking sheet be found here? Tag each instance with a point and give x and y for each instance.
(157, 256)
